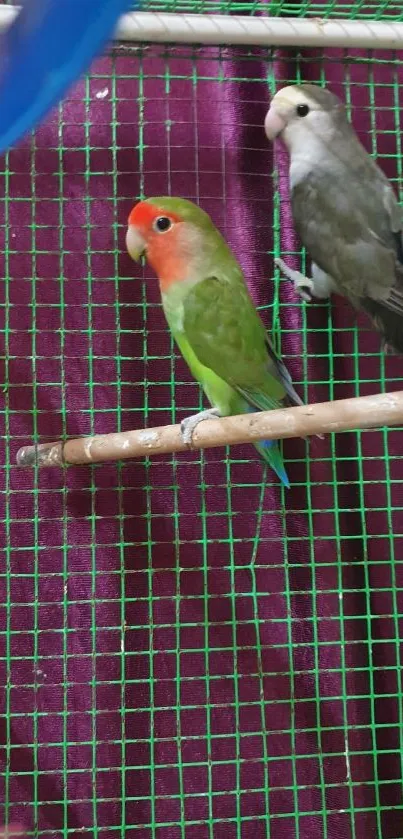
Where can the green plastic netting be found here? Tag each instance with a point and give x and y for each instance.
(189, 651)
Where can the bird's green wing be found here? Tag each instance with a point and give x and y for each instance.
(227, 335)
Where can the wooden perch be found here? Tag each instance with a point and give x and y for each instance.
(303, 421)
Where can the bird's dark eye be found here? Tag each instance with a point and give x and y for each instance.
(302, 110)
(162, 224)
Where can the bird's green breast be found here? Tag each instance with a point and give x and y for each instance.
(220, 395)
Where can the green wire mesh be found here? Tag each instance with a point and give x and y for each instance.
(189, 652)
(353, 10)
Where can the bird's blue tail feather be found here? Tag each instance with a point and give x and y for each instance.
(270, 452)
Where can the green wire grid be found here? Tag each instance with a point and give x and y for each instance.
(351, 9)
(390, 10)
(188, 651)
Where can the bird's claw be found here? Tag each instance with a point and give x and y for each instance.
(302, 285)
(189, 424)
(388, 349)
(304, 289)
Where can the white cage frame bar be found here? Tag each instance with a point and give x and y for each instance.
(137, 27)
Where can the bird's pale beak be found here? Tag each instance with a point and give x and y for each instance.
(274, 124)
(135, 243)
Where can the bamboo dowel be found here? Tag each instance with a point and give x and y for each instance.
(168, 27)
(304, 421)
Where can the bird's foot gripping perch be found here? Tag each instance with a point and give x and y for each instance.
(304, 286)
(189, 424)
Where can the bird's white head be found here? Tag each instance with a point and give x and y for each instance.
(301, 114)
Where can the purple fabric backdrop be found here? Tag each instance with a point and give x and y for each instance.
(91, 685)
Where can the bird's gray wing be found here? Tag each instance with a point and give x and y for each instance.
(353, 230)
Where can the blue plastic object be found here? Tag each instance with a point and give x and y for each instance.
(43, 52)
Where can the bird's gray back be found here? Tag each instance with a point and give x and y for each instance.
(341, 217)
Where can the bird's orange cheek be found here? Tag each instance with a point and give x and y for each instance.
(165, 260)
(157, 255)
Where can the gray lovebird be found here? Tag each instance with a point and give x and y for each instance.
(344, 208)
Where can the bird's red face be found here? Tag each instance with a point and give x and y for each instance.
(156, 233)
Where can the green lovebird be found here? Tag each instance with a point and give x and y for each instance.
(211, 315)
